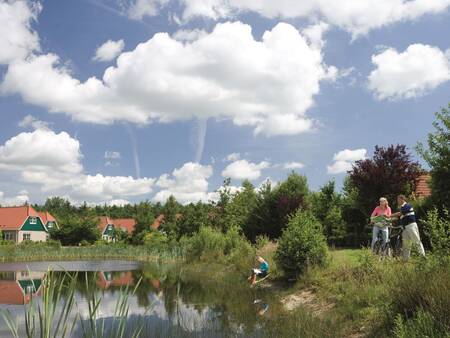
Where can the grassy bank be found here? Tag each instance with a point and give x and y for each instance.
(373, 298)
(54, 252)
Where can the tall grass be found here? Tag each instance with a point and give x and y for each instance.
(43, 251)
(57, 313)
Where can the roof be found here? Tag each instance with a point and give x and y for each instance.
(124, 279)
(422, 186)
(161, 219)
(46, 217)
(126, 224)
(12, 218)
(158, 221)
(11, 292)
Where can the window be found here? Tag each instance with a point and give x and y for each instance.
(33, 220)
(27, 237)
(8, 236)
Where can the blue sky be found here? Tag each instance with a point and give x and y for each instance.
(315, 94)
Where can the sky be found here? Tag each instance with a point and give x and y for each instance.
(119, 101)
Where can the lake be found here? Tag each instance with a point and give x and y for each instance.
(169, 300)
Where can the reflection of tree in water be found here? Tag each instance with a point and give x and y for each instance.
(230, 300)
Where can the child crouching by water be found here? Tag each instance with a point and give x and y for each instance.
(262, 271)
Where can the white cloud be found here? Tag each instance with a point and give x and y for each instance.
(268, 84)
(142, 8)
(53, 162)
(242, 169)
(187, 184)
(232, 157)
(357, 17)
(109, 50)
(293, 165)
(30, 121)
(17, 39)
(414, 72)
(112, 155)
(344, 160)
(189, 34)
(13, 201)
(118, 202)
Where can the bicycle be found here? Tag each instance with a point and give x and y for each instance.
(393, 245)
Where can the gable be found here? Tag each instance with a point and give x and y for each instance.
(33, 223)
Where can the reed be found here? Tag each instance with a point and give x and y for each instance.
(57, 313)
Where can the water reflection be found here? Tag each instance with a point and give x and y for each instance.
(168, 301)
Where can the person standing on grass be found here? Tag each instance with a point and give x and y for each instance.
(378, 219)
(410, 234)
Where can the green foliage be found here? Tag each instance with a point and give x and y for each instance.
(421, 325)
(72, 230)
(273, 207)
(156, 240)
(437, 229)
(326, 205)
(438, 158)
(211, 244)
(301, 245)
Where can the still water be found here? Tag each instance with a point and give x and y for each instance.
(169, 300)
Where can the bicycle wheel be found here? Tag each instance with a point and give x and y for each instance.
(377, 248)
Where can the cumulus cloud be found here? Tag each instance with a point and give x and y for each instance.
(17, 39)
(293, 165)
(268, 84)
(343, 160)
(356, 17)
(109, 50)
(189, 34)
(242, 169)
(232, 157)
(13, 201)
(141, 8)
(188, 184)
(30, 121)
(414, 72)
(53, 162)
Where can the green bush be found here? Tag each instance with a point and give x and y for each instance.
(437, 229)
(209, 243)
(156, 240)
(302, 244)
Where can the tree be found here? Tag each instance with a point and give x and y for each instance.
(326, 205)
(438, 158)
(391, 171)
(74, 229)
(301, 245)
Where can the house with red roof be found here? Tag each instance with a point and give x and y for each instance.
(108, 226)
(24, 223)
(48, 220)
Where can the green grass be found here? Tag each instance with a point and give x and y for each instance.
(44, 252)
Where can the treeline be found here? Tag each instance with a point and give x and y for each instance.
(265, 212)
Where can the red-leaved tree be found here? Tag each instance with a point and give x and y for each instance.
(391, 171)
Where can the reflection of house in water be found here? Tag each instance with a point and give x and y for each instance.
(106, 279)
(17, 288)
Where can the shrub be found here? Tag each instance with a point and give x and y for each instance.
(156, 240)
(209, 243)
(262, 241)
(437, 229)
(301, 244)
